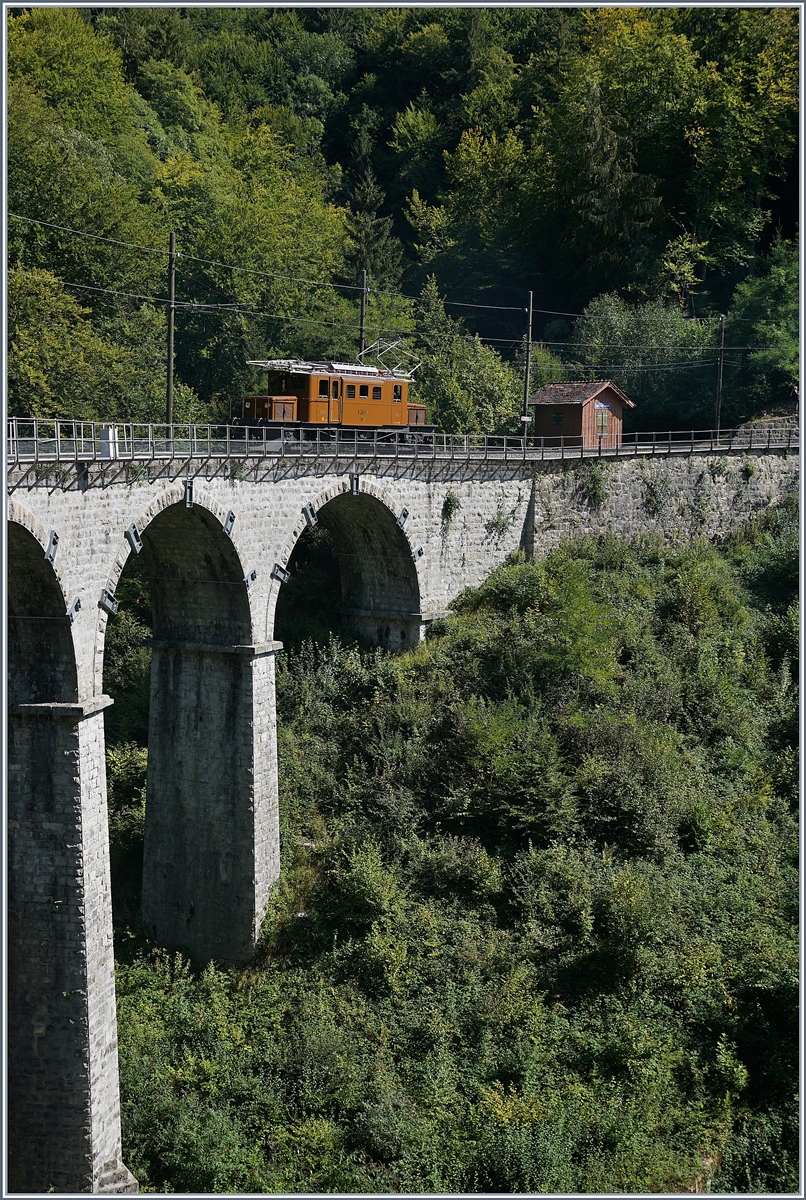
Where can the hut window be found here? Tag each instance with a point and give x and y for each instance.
(558, 416)
(324, 387)
(363, 391)
(351, 391)
(398, 392)
(376, 393)
(601, 423)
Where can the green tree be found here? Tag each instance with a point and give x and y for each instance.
(652, 351)
(466, 385)
(373, 247)
(765, 315)
(78, 73)
(59, 365)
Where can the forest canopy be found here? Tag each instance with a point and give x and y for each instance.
(636, 169)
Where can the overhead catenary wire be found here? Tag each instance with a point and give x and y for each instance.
(192, 257)
(236, 310)
(239, 309)
(629, 367)
(212, 262)
(226, 309)
(297, 278)
(97, 237)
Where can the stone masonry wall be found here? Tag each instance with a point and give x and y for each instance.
(424, 531)
(49, 1126)
(211, 843)
(677, 498)
(100, 957)
(64, 1112)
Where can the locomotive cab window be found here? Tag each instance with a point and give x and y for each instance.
(351, 391)
(398, 393)
(363, 391)
(324, 387)
(335, 390)
(376, 393)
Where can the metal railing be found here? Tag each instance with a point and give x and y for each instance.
(36, 441)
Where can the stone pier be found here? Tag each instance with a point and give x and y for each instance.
(63, 1107)
(217, 536)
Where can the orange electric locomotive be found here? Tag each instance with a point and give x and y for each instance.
(350, 396)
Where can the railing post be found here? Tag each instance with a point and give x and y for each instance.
(562, 447)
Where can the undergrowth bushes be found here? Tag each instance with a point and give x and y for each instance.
(536, 924)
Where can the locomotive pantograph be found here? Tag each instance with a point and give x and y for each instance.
(308, 396)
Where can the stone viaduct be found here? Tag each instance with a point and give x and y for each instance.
(216, 537)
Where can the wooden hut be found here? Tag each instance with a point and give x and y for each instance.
(591, 411)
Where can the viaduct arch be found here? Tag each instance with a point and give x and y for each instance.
(211, 851)
(63, 1105)
(380, 589)
(216, 541)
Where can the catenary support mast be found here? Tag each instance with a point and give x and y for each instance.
(169, 389)
(525, 413)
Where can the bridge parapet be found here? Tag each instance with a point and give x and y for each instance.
(32, 441)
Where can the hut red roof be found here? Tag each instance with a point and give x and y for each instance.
(576, 392)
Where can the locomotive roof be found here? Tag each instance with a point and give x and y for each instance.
(301, 366)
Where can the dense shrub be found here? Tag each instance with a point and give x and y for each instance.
(536, 929)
